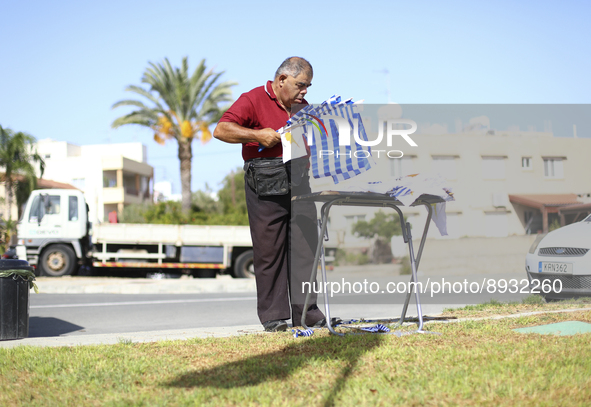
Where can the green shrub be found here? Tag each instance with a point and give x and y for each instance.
(347, 258)
(406, 269)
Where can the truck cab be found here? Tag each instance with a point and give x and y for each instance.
(53, 232)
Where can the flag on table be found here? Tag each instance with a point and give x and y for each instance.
(409, 188)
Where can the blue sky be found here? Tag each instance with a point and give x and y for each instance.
(65, 63)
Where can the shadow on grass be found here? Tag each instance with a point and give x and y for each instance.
(280, 365)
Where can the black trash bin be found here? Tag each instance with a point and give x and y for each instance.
(16, 279)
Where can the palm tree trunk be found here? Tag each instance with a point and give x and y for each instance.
(9, 198)
(185, 158)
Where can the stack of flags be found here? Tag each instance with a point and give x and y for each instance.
(311, 127)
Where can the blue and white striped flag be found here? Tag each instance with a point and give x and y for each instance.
(344, 160)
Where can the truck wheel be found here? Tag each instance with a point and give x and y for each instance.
(57, 260)
(244, 266)
(204, 273)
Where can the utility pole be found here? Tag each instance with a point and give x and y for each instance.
(386, 72)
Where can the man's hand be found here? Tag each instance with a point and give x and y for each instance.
(268, 137)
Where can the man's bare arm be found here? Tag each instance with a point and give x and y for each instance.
(234, 133)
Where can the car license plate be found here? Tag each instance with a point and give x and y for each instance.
(555, 268)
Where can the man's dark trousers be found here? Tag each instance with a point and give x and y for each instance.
(277, 268)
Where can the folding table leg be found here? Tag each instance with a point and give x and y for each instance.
(413, 266)
(416, 261)
(320, 255)
(324, 280)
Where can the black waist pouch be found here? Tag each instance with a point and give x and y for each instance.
(267, 176)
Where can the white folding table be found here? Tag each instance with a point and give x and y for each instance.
(370, 199)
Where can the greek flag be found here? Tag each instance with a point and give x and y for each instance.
(334, 150)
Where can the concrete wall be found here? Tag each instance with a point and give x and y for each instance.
(475, 255)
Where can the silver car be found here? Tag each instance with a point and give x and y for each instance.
(558, 264)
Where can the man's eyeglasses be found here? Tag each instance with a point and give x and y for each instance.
(303, 85)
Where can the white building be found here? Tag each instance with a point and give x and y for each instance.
(505, 183)
(110, 175)
(163, 192)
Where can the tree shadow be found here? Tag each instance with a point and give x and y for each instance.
(279, 365)
(40, 327)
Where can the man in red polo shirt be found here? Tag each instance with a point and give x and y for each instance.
(284, 240)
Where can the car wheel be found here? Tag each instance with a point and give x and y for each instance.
(57, 260)
(244, 265)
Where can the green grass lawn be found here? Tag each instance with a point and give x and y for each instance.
(532, 303)
(471, 363)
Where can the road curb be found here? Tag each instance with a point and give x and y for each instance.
(134, 337)
(109, 285)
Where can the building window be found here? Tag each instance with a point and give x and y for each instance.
(130, 184)
(493, 167)
(400, 167)
(145, 187)
(79, 183)
(526, 163)
(529, 218)
(445, 165)
(110, 179)
(553, 168)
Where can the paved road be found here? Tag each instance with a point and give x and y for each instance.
(91, 314)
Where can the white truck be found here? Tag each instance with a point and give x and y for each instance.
(55, 236)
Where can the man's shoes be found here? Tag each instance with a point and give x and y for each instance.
(333, 322)
(277, 325)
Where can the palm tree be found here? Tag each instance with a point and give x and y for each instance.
(182, 107)
(17, 158)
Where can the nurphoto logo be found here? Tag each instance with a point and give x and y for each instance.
(393, 128)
